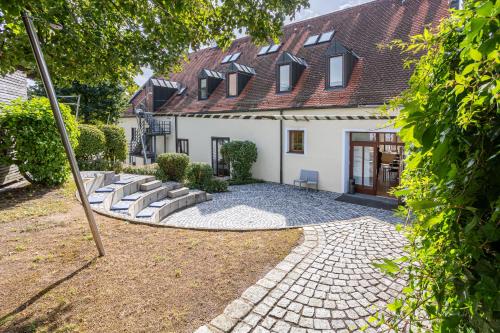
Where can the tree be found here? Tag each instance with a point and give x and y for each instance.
(101, 103)
(450, 122)
(109, 41)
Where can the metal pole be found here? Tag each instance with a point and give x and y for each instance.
(49, 88)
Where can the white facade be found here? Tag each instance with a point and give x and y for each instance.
(326, 142)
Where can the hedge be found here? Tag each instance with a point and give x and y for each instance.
(198, 174)
(116, 143)
(241, 155)
(91, 143)
(32, 141)
(173, 165)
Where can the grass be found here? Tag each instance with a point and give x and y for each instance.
(151, 279)
(35, 201)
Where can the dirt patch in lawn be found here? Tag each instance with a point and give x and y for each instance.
(152, 279)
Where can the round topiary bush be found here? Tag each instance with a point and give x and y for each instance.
(198, 174)
(91, 143)
(173, 165)
(116, 143)
(240, 155)
(31, 140)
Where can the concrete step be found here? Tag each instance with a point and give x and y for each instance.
(178, 192)
(151, 196)
(150, 185)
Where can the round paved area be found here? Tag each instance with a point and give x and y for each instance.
(268, 206)
(327, 284)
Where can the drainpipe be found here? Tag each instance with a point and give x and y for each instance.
(281, 147)
(175, 134)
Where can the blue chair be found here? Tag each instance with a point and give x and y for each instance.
(308, 178)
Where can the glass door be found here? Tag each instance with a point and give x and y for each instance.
(363, 162)
(220, 167)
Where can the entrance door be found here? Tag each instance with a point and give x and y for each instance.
(220, 167)
(364, 162)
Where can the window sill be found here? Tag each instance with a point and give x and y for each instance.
(295, 152)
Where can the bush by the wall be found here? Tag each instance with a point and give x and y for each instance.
(198, 174)
(148, 170)
(173, 165)
(241, 155)
(91, 143)
(116, 143)
(215, 185)
(32, 141)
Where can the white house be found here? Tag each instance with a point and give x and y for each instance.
(310, 102)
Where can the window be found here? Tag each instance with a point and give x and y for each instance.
(133, 133)
(284, 78)
(231, 57)
(335, 72)
(232, 85)
(183, 146)
(203, 89)
(311, 40)
(296, 141)
(269, 49)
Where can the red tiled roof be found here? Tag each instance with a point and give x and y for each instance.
(377, 76)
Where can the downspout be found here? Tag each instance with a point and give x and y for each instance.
(281, 147)
(175, 134)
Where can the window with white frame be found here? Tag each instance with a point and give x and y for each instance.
(335, 72)
(284, 78)
(203, 89)
(232, 85)
(296, 141)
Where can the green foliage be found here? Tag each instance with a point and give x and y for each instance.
(173, 165)
(116, 143)
(198, 174)
(91, 143)
(101, 103)
(450, 121)
(240, 155)
(30, 140)
(245, 182)
(215, 185)
(148, 170)
(109, 41)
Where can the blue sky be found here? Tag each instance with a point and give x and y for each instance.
(317, 7)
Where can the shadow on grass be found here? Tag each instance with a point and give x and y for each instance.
(27, 325)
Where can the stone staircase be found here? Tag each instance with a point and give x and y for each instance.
(138, 198)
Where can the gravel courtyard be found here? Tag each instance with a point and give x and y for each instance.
(270, 206)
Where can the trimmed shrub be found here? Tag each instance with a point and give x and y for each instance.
(32, 141)
(149, 170)
(173, 165)
(91, 143)
(215, 185)
(198, 174)
(116, 143)
(240, 155)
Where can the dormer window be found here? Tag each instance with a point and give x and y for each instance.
(340, 62)
(288, 71)
(237, 77)
(208, 80)
(203, 89)
(284, 78)
(335, 71)
(232, 83)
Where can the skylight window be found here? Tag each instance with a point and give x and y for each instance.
(235, 56)
(274, 48)
(263, 50)
(269, 49)
(326, 37)
(311, 40)
(318, 39)
(226, 58)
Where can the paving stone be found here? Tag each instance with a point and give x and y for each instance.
(260, 329)
(223, 322)
(237, 309)
(312, 298)
(242, 328)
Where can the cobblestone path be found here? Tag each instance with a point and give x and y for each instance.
(327, 284)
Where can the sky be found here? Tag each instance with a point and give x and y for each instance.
(316, 8)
